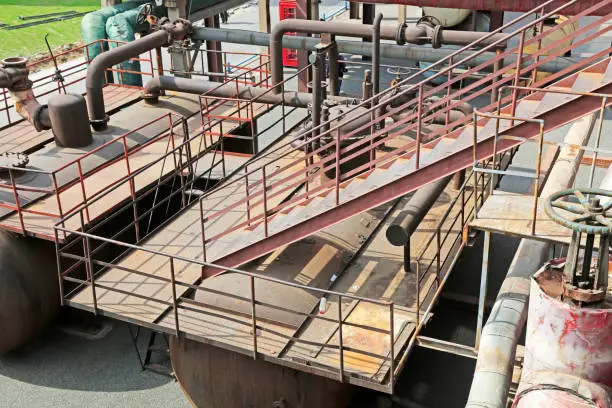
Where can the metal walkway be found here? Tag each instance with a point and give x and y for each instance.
(179, 279)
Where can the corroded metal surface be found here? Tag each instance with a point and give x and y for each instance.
(568, 339)
(212, 377)
(28, 289)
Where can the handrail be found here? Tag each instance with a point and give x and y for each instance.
(373, 100)
(381, 132)
(404, 106)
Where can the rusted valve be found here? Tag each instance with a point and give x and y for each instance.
(582, 281)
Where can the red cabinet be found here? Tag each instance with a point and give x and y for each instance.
(286, 9)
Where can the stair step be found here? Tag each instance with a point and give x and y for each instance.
(442, 149)
(351, 190)
(551, 100)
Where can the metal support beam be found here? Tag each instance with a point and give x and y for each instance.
(264, 20)
(214, 58)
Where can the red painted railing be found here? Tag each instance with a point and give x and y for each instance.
(267, 167)
(79, 174)
(74, 74)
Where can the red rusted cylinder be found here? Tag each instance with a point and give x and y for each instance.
(547, 389)
(565, 338)
(212, 377)
(29, 290)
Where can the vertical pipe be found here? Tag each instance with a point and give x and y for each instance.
(253, 316)
(317, 97)
(475, 164)
(483, 287)
(497, 66)
(367, 19)
(376, 53)
(353, 10)
(407, 256)
(366, 88)
(334, 69)
(174, 305)
(338, 146)
(265, 201)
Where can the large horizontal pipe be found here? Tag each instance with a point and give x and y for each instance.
(407, 221)
(403, 52)
(229, 90)
(499, 5)
(419, 34)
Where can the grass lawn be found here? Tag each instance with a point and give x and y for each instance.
(30, 40)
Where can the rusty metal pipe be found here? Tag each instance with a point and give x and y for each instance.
(400, 230)
(154, 87)
(317, 93)
(14, 77)
(376, 53)
(419, 34)
(404, 52)
(95, 73)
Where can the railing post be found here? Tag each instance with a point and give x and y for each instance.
(540, 30)
(265, 202)
(536, 184)
(58, 257)
(340, 340)
(338, 148)
(449, 77)
(602, 111)
(253, 316)
(89, 261)
(392, 348)
(248, 202)
(83, 193)
(17, 203)
(202, 220)
(517, 74)
(418, 291)
(439, 250)
(418, 135)
(174, 304)
(475, 165)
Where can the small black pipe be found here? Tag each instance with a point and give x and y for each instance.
(399, 232)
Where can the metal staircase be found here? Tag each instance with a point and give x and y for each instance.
(262, 224)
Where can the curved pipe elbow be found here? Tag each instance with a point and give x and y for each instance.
(30, 109)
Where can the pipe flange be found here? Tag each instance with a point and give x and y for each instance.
(436, 39)
(401, 32)
(36, 117)
(99, 124)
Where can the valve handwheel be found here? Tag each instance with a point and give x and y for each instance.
(145, 11)
(592, 216)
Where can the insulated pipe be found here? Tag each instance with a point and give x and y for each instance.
(154, 87)
(400, 230)
(404, 52)
(95, 73)
(500, 335)
(419, 34)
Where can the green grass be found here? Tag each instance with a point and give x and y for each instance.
(30, 40)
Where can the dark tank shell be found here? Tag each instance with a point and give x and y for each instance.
(212, 377)
(29, 290)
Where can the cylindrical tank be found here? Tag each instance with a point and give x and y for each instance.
(565, 338)
(448, 17)
(29, 290)
(212, 377)
(69, 120)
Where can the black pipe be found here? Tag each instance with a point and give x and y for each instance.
(317, 93)
(406, 223)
